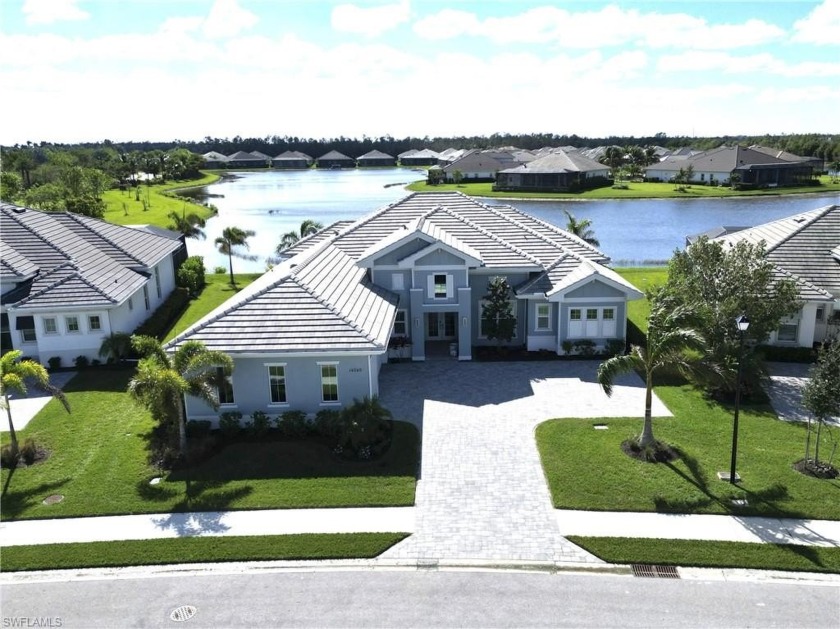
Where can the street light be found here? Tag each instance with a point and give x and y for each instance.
(743, 323)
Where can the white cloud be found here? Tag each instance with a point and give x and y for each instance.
(764, 64)
(820, 26)
(50, 11)
(227, 19)
(370, 21)
(609, 26)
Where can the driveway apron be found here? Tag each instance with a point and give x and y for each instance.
(482, 494)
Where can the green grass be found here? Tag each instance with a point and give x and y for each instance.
(98, 463)
(123, 208)
(217, 291)
(633, 191)
(197, 550)
(642, 278)
(605, 479)
(670, 552)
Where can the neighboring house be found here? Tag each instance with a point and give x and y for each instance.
(425, 157)
(555, 172)
(480, 165)
(68, 281)
(376, 158)
(334, 159)
(314, 331)
(292, 160)
(215, 160)
(806, 248)
(241, 159)
(265, 158)
(752, 167)
(816, 163)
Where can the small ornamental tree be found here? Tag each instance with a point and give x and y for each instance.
(499, 322)
(822, 397)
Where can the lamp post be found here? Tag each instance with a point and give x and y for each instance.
(743, 323)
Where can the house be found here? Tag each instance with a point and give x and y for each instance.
(68, 281)
(806, 248)
(723, 165)
(291, 160)
(241, 159)
(558, 171)
(816, 163)
(334, 159)
(314, 331)
(424, 157)
(376, 158)
(480, 165)
(215, 160)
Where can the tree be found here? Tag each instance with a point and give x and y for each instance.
(307, 228)
(190, 225)
(497, 316)
(162, 380)
(581, 228)
(821, 395)
(614, 158)
(231, 238)
(721, 283)
(689, 174)
(115, 346)
(14, 374)
(672, 346)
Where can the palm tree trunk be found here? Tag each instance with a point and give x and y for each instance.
(230, 262)
(646, 438)
(12, 433)
(182, 427)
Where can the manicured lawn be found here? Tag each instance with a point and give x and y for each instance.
(124, 208)
(98, 463)
(642, 278)
(197, 550)
(586, 468)
(633, 191)
(217, 291)
(670, 552)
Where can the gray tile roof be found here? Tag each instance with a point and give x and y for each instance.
(76, 260)
(559, 162)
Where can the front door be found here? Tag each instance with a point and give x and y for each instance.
(441, 326)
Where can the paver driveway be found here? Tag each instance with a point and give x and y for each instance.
(482, 494)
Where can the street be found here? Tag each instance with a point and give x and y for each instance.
(411, 598)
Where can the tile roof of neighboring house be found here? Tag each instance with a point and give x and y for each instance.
(335, 155)
(722, 159)
(482, 161)
(803, 245)
(75, 260)
(559, 162)
(294, 155)
(215, 156)
(778, 153)
(241, 156)
(260, 155)
(421, 154)
(376, 155)
(313, 240)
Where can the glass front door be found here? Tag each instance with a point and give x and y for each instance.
(441, 326)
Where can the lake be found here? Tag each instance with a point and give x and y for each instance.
(631, 232)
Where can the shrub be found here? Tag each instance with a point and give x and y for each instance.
(28, 451)
(787, 354)
(81, 362)
(615, 347)
(6, 459)
(293, 424)
(198, 428)
(192, 275)
(54, 363)
(567, 347)
(162, 319)
(219, 270)
(328, 424)
(229, 423)
(259, 425)
(364, 423)
(585, 347)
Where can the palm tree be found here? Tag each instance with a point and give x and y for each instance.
(190, 225)
(671, 346)
(231, 238)
(581, 228)
(614, 158)
(115, 346)
(162, 380)
(13, 376)
(307, 228)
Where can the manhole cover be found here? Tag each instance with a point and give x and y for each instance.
(54, 499)
(182, 613)
(155, 480)
(662, 572)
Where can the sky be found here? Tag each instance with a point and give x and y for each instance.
(161, 70)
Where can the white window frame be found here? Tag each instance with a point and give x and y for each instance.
(229, 379)
(157, 282)
(587, 327)
(67, 320)
(397, 281)
(24, 338)
(545, 315)
(432, 285)
(337, 400)
(404, 323)
(271, 377)
(98, 327)
(820, 314)
(54, 325)
(789, 324)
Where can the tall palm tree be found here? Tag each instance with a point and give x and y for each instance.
(307, 227)
(614, 158)
(672, 346)
(14, 374)
(190, 225)
(115, 346)
(162, 380)
(581, 228)
(231, 238)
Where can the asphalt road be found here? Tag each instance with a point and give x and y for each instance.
(395, 598)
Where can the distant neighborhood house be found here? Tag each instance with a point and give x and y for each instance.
(555, 172)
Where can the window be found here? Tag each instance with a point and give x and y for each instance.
(94, 323)
(50, 325)
(277, 383)
(157, 282)
(543, 313)
(400, 328)
(329, 382)
(598, 323)
(5, 332)
(146, 295)
(574, 314)
(820, 313)
(397, 281)
(28, 335)
(440, 286)
(72, 324)
(788, 332)
(225, 387)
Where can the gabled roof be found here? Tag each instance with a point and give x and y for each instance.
(376, 155)
(215, 156)
(568, 273)
(242, 156)
(723, 159)
(335, 155)
(293, 155)
(74, 260)
(559, 162)
(803, 245)
(482, 161)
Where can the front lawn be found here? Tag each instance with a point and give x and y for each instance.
(586, 468)
(642, 278)
(98, 462)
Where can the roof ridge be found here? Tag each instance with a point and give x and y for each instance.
(78, 220)
(491, 235)
(799, 278)
(565, 232)
(63, 280)
(818, 213)
(10, 213)
(375, 214)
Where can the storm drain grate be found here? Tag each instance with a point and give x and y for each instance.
(182, 613)
(654, 572)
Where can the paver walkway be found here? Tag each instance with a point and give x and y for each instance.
(25, 408)
(482, 494)
(787, 381)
